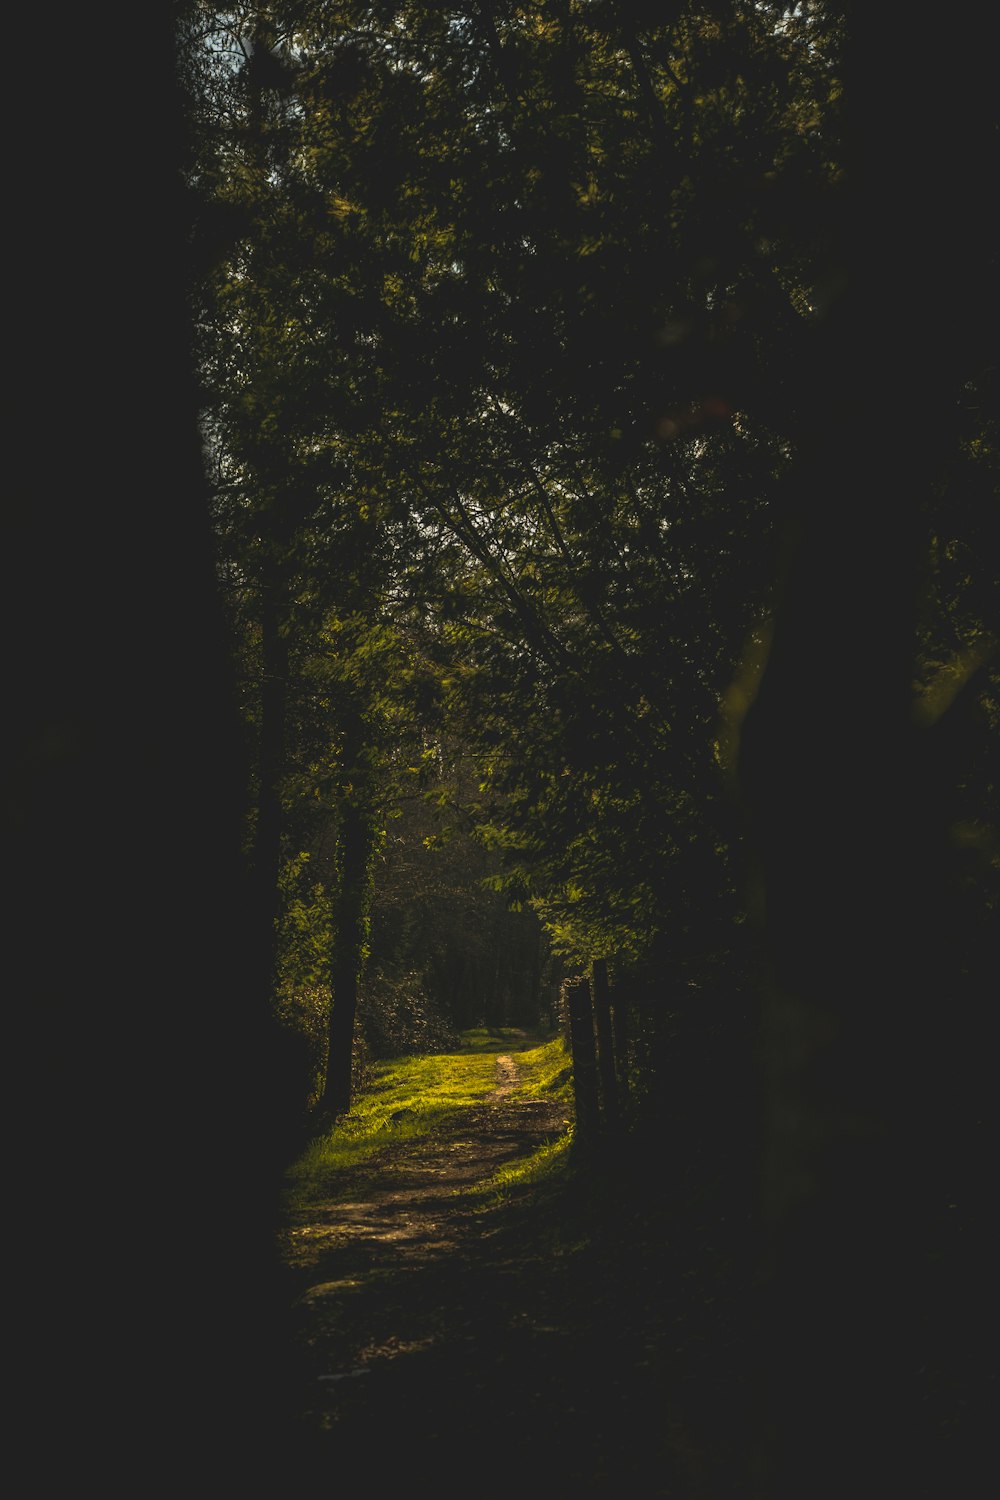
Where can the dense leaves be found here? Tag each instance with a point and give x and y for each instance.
(522, 322)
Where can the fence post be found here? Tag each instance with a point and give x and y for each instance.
(581, 1037)
(605, 1043)
(621, 1031)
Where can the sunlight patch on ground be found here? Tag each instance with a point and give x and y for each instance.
(478, 1125)
(412, 1098)
(331, 1289)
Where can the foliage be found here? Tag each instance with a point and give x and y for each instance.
(544, 451)
(514, 324)
(398, 1016)
(436, 923)
(304, 939)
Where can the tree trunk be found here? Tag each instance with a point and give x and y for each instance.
(126, 894)
(605, 1044)
(270, 769)
(851, 1162)
(350, 940)
(581, 1035)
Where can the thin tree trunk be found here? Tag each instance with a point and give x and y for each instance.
(270, 763)
(351, 921)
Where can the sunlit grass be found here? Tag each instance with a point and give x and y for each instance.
(527, 1171)
(409, 1098)
(545, 1072)
(494, 1039)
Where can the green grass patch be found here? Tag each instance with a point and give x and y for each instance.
(410, 1097)
(545, 1072)
(496, 1039)
(539, 1167)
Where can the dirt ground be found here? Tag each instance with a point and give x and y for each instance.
(484, 1350)
(599, 1335)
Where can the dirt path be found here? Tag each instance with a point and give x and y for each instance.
(355, 1261)
(473, 1349)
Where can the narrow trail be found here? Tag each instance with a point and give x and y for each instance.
(407, 1199)
(378, 1274)
(471, 1345)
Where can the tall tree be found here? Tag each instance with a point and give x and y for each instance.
(121, 758)
(861, 1154)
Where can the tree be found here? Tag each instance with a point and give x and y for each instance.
(861, 1156)
(121, 759)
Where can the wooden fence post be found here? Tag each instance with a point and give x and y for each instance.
(605, 1044)
(621, 1030)
(576, 992)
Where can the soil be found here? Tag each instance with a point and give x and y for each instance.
(527, 1344)
(602, 1333)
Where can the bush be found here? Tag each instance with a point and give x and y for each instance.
(396, 1017)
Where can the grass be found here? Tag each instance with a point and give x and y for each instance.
(494, 1039)
(543, 1070)
(408, 1098)
(528, 1171)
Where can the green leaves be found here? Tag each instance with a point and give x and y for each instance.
(488, 378)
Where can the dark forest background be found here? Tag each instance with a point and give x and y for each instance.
(596, 446)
